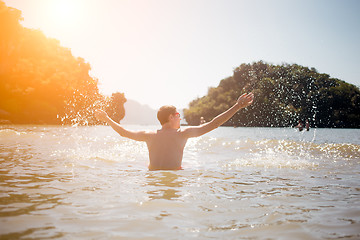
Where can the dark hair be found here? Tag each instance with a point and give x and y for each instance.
(164, 113)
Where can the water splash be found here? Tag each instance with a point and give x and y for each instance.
(80, 108)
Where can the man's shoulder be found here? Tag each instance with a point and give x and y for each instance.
(150, 132)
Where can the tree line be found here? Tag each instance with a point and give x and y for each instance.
(284, 94)
(42, 82)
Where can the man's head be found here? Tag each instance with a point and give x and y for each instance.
(168, 114)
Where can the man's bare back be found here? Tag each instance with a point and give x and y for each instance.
(166, 146)
(166, 149)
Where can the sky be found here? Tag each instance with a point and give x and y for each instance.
(169, 52)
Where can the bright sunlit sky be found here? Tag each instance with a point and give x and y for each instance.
(171, 51)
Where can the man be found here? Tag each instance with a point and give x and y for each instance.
(166, 145)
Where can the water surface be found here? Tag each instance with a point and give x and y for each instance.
(237, 183)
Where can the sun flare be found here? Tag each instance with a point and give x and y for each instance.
(62, 14)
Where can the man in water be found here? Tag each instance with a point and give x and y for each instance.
(166, 145)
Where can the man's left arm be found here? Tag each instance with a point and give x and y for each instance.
(243, 101)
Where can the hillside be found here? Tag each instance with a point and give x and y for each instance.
(284, 94)
(136, 113)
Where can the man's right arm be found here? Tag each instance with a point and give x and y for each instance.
(137, 136)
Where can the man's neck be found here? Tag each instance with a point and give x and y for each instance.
(167, 126)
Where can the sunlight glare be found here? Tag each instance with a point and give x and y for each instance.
(63, 14)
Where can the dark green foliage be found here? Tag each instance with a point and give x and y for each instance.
(115, 107)
(284, 94)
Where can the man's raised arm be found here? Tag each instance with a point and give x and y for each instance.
(138, 136)
(243, 101)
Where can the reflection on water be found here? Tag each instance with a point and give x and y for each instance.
(88, 183)
(43, 231)
(168, 185)
(26, 198)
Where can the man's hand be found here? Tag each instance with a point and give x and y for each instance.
(101, 115)
(245, 100)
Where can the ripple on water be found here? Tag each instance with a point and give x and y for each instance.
(96, 186)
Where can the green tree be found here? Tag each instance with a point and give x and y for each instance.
(284, 94)
(115, 107)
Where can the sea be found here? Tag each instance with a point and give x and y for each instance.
(87, 182)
